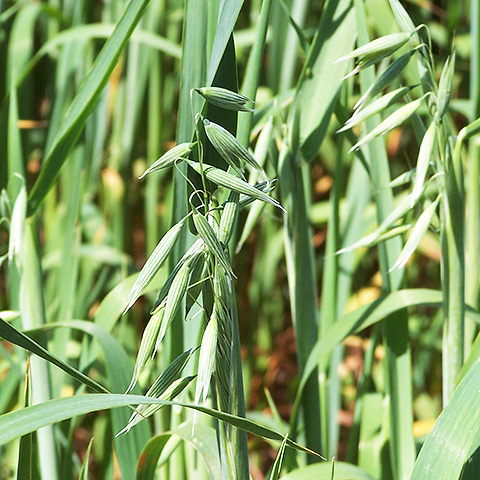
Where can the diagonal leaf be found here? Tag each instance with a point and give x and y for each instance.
(11, 334)
(21, 422)
(85, 101)
(226, 21)
(368, 315)
(321, 79)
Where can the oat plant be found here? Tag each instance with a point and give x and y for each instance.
(293, 255)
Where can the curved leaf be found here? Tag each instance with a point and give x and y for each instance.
(367, 315)
(21, 422)
(323, 471)
(203, 440)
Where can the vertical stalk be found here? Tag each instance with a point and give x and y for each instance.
(193, 68)
(68, 272)
(398, 372)
(298, 13)
(235, 440)
(15, 167)
(32, 309)
(328, 377)
(301, 279)
(238, 394)
(472, 227)
(252, 73)
(453, 268)
(232, 442)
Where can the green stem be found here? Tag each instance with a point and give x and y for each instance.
(472, 227)
(252, 73)
(329, 396)
(453, 263)
(301, 281)
(398, 371)
(32, 309)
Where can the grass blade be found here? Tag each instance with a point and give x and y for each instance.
(11, 334)
(319, 86)
(85, 101)
(21, 422)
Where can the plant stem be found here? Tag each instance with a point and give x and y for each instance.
(398, 372)
(453, 261)
(472, 227)
(301, 281)
(32, 309)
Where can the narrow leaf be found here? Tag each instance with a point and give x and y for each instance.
(85, 101)
(418, 233)
(170, 393)
(277, 465)
(400, 210)
(21, 422)
(12, 335)
(455, 435)
(203, 441)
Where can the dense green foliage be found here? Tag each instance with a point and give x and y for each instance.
(231, 218)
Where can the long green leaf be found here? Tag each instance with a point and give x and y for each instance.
(118, 368)
(11, 334)
(321, 79)
(85, 101)
(21, 422)
(368, 315)
(226, 21)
